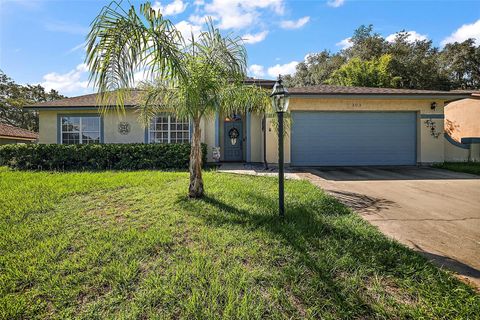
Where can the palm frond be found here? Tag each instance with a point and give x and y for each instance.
(224, 52)
(122, 43)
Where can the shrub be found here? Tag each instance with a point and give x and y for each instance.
(97, 156)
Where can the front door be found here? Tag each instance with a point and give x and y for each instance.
(233, 141)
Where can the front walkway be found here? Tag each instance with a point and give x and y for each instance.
(254, 170)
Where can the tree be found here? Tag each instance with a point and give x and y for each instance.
(416, 63)
(365, 73)
(316, 69)
(366, 44)
(13, 97)
(192, 78)
(460, 63)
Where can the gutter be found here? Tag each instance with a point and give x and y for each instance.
(73, 108)
(18, 138)
(378, 96)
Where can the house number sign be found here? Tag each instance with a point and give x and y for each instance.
(124, 127)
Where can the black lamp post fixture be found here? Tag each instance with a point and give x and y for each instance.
(280, 99)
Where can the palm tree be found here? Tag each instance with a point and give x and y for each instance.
(192, 79)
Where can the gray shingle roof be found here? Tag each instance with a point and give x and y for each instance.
(90, 100)
(334, 90)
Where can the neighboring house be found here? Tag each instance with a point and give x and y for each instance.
(11, 135)
(462, 129)
(330, 125)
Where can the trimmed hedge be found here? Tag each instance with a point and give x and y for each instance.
(97, 156)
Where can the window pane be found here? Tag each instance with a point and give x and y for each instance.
(70, 124)
(159, 130)
(179, 130)
(90, 124)
(71, 138)
(91, 137)
(89, 131)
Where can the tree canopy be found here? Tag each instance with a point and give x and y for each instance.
(365, 73)
(13, 97)
(401, 62)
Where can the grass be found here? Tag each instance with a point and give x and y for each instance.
(467, 167)
(126, 245)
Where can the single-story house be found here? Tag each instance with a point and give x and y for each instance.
(462, 129)
(11, 135)
(330, 126)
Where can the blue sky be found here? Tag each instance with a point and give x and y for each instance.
(41, 40)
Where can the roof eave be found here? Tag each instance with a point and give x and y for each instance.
(380, 96)
(6, 136)
(34, 107)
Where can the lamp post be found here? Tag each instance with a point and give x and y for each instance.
(280, 100)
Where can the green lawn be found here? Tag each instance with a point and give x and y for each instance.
(129, 245)
(468, 167)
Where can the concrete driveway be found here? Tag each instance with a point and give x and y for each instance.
(435, 212)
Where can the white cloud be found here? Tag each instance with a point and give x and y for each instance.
(463, 33)
(290, 24)
(254, 38)
(283, 69)
(345, 43)
(412, 36)
(72, 81)
(186, 29)
(78, 47)
(238, 14)
(335, 3)
(199, 20)
(256, 70)
(173, 8)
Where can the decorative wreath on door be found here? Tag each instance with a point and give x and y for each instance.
(233, 135)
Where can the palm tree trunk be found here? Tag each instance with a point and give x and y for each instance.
(195, 189)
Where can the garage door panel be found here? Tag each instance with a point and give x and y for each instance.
(353, 138)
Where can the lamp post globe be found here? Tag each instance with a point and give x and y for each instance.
(280, 96)
(280, 101)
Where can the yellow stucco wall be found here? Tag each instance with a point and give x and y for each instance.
(454, 153)
(462, 118)
(208, 134)
(429, 149)
(256, 137)
(47, 132)
(111, 120)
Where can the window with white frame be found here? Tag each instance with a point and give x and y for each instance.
(169, 129)
(79, 130)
